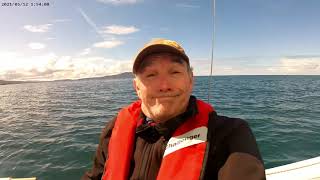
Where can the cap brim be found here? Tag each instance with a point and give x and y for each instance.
(157, 48)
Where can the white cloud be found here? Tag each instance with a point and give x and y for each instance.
(85, 52)
(119, 30)
(38, 28)
(13, 61)
(191, 6)
(108, 44)
(88, 20)
(36, 46)
(259, 66)
(61, 20)
(300, 65)
(8, 60)
(113, 29)
(49, 66)
(52, 67)
(50, 38)
(119, 2)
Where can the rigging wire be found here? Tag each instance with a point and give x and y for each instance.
(212, 46)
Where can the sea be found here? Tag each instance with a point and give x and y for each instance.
(50, 130)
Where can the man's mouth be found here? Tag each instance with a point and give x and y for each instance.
(167, 96)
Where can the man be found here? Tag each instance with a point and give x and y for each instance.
(168, 133)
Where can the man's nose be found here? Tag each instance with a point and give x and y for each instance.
(164, 84)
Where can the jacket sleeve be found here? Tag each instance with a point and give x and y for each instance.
(101, 153)
(244, 160)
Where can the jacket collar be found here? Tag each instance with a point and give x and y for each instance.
(152, 133)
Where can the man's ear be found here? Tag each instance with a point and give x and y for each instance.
(191, 81)
(191, 77)
(135, 84)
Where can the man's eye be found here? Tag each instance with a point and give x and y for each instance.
(150, 75)
(176, 72)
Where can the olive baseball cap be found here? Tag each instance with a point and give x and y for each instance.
(159, 46)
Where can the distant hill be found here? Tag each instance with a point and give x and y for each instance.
(2, 82)
(117, 76)
(121, 75)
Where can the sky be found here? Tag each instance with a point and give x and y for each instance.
(64, 39)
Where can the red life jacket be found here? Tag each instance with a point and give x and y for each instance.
(184, 153)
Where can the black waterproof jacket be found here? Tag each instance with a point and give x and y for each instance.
(233, 153)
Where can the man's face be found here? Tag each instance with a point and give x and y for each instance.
(164, 87)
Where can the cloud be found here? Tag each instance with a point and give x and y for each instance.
(109, 41)
(191, 6)
(300, 65)
(50, 38)
(38, 28)
(49, 66)
(294, 65)
(61, 20)
(108, 44)
(89, 21)
(225, 66)
(119, 2)
(36, 46)
(8, 60)
(119, 30)
(13, 61)
(32, 75)
(85, 52)
(52, 67)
